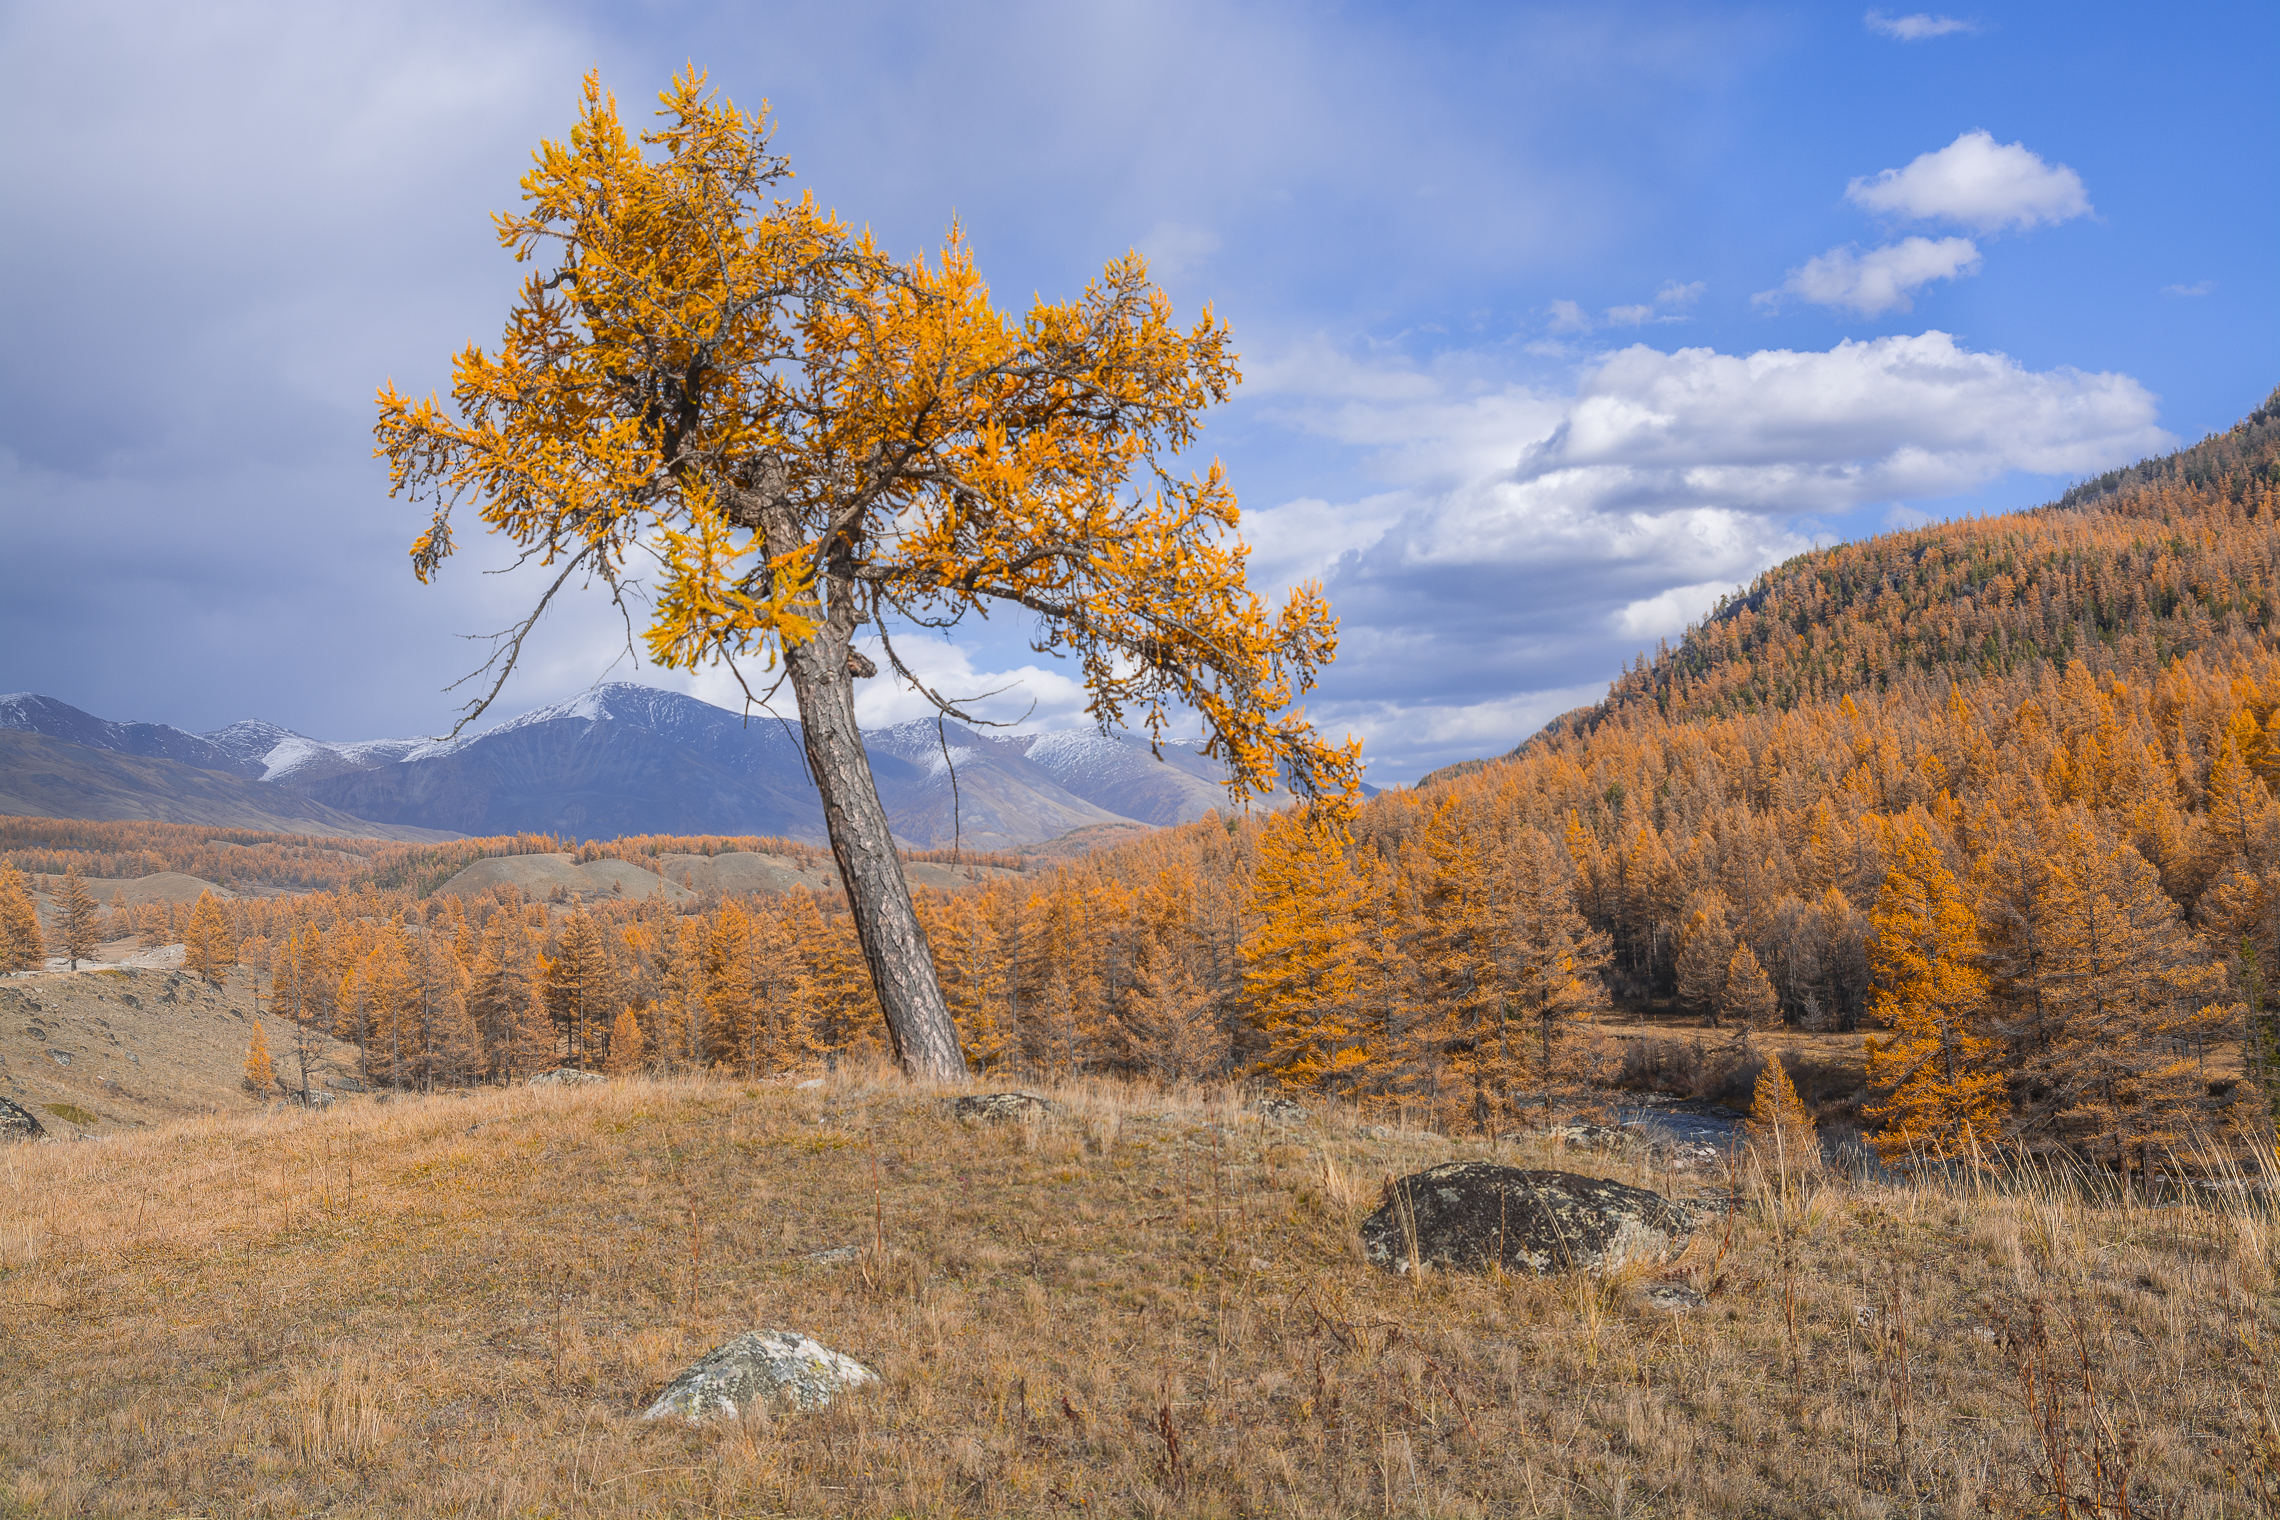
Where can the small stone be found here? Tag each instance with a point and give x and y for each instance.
(781, 1367)
(1000, 1106)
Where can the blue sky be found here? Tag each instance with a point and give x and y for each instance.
(1557, 320)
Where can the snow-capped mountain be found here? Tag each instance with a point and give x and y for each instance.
(35, 714)
(626, 759)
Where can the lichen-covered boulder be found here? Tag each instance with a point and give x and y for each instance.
(1472, 1215)
(566, 1076)
(18, 1122)
(778, 1367)
(999, 1106)
(1277, 1109)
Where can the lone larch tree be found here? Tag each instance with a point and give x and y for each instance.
(811, 438)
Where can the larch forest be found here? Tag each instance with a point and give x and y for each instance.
(1999, 791)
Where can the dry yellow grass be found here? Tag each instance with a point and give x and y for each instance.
(1149, 1304)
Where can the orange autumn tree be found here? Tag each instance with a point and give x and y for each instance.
(810, 438)
(1306, 961)
(1936, 1069)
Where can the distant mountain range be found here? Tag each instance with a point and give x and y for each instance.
(621, 759)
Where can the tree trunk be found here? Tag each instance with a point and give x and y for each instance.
(919, 1026)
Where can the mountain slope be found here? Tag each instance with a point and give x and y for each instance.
(29, 712)
(625, 759)
(53, 778)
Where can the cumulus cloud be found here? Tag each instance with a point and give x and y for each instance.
(1880, 280)
(1669, 305)
(1976, 182)
(1662, 480)
(1917, 27)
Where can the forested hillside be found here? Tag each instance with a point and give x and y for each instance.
(2124, 572)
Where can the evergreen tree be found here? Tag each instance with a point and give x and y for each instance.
(2132, 1002)
(504, 1002)
(1780, 1125)
(1747, 1000)
(626, 1044)
(20, 939)
(209, 943)
(578, 985)
(1940, 1091)
(1554, 972)
(1305, 962)
(1170, 1020)
(1705, 952)
(75, 933)
(260, 1074)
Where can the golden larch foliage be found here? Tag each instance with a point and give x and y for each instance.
(1940, 1091)
(260, 1073)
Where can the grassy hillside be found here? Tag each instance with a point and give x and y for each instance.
(1149, 1304)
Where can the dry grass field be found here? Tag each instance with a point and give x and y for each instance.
(1147, 1304)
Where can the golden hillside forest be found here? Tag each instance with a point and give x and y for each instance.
(1998, 791)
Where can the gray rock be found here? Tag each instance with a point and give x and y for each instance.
(1475, 1214)
(1372, 1132)
(998, 1106)
(18, 1122)
(1593, 1137)
(567, 1076)
(780, 1367)
(1280, 1109)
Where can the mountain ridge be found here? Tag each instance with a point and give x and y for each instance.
(628, 759)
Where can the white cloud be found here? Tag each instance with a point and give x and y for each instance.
(1569, 317)
(1880, 280)
(1827, 430)
(1616, 514)
(1174, 248)
(1667, 613)
(1979, 183)
(1669, 305)
(1918, 27)
(2197, 288)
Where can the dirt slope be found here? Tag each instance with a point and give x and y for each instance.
(119, 1047)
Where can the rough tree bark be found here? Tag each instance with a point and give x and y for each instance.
(822, 671)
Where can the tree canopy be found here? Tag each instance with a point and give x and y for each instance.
(810, 438)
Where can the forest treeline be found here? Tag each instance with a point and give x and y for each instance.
(253, 860)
